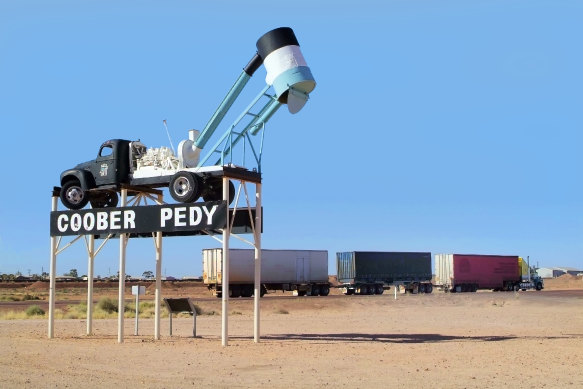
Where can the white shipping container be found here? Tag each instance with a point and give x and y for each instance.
(443, 269)
(277, 266)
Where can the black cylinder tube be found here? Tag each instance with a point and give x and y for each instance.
(275, 39)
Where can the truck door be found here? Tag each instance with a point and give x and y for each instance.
(112, 163)
(104, 170)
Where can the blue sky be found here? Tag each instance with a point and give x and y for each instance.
(450, 127)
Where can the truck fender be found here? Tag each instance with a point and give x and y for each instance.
(85, 178)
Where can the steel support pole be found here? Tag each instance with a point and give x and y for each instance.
(225, 276)
(52, 271)
(90, 267)
(257, 286)
(122, 274)
(158, 296)
(137, 310)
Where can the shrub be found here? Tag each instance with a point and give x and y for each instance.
(28, 297)
(108, 305)
(34, 310)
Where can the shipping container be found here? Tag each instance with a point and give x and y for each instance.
(303, 271)
(470, 272)
(369, 272)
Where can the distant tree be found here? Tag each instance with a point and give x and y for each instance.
(148, 274)
(44, 275)
(72, 273)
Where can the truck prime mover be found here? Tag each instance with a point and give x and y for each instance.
(302, 271)
(470, 272)
(369, 272)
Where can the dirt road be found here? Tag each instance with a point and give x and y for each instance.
(478, 340)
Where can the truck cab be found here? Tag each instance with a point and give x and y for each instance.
(111, 168)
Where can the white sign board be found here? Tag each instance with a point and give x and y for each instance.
(138, 289)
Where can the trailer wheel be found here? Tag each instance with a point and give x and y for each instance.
(379, 289)
(428, 288)
(247, 290)
(363, 289)
(184, 187)
(421, 288)
(301, 292)
(324, 290)
(516, 288)
(234, 291)
(315, 290)
(371, 289)
(73, 196)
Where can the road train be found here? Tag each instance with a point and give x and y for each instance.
(305, 272)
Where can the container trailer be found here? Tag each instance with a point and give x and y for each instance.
(370, 272)
(302, 271)
(470, 272)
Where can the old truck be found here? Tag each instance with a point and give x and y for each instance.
(304, 272)
(370, 272)
(188, 175)
(471, 272)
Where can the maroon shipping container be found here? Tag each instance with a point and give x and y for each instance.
(466, 273)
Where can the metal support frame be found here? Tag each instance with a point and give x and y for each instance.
(256, 226)
(137, 199)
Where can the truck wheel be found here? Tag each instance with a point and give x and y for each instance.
(234, 291)
(428, 288)
(421, 288)
(73, 196)
(315, 290)
(247, 290)
(379, 289)
(104, 199)
(324, 290)
(184, 187)
(539, 286)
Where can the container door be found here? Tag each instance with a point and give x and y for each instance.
(300, 269)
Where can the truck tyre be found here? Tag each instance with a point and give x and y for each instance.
(73, 196)
(247, 290)
(104, 199)
(234, 291)
(324, 290)
(421, 288)
(315, 290)
(184, 187)
(379, 289)
(539, 286)
(428, 288)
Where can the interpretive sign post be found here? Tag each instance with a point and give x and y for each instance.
(137, 290)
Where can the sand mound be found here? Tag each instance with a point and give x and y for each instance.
(38, 285)
(566, 281)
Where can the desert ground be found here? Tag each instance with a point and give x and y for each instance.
(470, 340)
